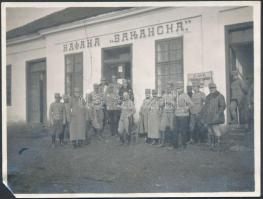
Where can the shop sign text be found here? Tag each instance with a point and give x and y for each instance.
(176, 27)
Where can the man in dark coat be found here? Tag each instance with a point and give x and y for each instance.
(212, 115)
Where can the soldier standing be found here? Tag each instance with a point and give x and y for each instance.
(182, 116)
(238, 106)
(126, 88)
(125, 123)
(66, 103)
(116, 89)
(212, 115)
(88, 116)
(112, 100)
(57, 119)
(143, 120)
(198, 99)
(154, 119)
(78, 120)
(103, 86)
(97, 103)
(168, 103)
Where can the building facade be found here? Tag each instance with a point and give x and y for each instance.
(147, 45)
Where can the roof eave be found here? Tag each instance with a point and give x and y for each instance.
(81, 23)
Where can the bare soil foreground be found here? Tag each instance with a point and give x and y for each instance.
(106, 167)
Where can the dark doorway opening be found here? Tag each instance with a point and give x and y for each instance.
(239, 58)
(117, 61)
(36, 91)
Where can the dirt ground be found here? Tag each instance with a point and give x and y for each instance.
(106, 167)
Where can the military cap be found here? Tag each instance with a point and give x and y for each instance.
(57, 95)
(211, 85)
(154, 91)
(65, 96)
(147, 91)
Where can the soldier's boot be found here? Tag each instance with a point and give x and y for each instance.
(217, 142)
(210, 141)
(53, 141)
(74, 144)
(121, 139)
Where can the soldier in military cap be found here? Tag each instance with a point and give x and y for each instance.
(77, 119)
(239, 90)
(125, 122)
(154, 116)
(168, 103)
(57, 119)
(143, 120)
(103, 85)
(183, 105)
(88, 116)
(97, 102)
(212, 115)
(112, 101)
(66, 103)
(126, 88)
(198, 99)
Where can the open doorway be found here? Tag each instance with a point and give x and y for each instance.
(239, 61)
(117, 61)
(36, 91)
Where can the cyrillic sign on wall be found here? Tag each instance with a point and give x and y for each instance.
(176, 27)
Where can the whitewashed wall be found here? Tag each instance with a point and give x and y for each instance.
(204, 50)
(17, 56)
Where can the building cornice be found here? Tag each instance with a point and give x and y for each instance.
(81, 23)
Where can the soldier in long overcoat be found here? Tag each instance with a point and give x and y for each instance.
(154, 116)
(78, 120)
(168, 103)
(212, 115)
(143, 114)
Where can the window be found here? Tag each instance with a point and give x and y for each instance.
(169, 62)
(8, 85)
(73, 72)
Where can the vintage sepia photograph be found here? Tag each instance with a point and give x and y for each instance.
(131, 99)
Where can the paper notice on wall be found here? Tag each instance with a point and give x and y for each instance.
(120, 69)
(202, 79)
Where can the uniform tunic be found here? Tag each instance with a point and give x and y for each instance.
(213, 111)
(78, 119)
(154, 119)
(143, 122)
(198, 100)
(127, 111)
(168, 102)
(239, 90)
(97, 110)
(57, 117)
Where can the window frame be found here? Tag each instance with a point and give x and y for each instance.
(170, 61)
(73, 71)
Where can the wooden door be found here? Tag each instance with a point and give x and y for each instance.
(37, 92)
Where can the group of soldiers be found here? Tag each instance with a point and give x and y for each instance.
(107, 103)
(174, 119)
